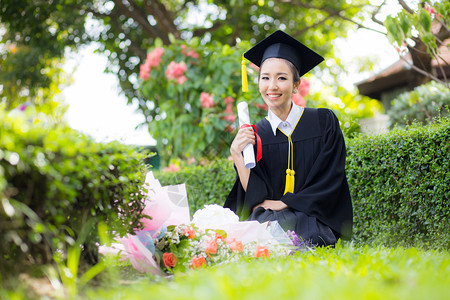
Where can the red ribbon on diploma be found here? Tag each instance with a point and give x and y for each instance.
(258, 141)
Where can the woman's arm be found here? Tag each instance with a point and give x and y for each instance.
(272, 205)
(244, 137)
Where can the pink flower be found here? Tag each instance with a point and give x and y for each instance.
(144, 72)
(261, 106)
(181, 79)
(172, 168)
(154, 57)
(153, 60)
(228, 100)
(303, 89)
(190, 53)
(229, 109)
(299, 100)
(183, 49)
(176, 71)
(206, 100)
(230, 118)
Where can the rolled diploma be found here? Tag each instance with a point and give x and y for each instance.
(244, 118)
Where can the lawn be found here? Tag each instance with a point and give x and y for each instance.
(346, 272)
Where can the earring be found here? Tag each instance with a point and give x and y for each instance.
(295, 91)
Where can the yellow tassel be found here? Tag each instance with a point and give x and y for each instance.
(290, 181)
(244, 76)
(291, 190)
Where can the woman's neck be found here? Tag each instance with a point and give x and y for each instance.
(283, 112)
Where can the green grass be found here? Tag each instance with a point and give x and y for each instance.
(347, 272)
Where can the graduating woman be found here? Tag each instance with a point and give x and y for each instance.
(300, 180)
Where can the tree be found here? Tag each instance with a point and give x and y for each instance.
(421, 33)
(37, 32)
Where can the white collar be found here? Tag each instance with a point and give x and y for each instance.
(291, 120)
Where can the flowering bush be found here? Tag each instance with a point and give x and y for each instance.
(190, 94)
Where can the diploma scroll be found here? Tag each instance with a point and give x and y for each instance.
(244, 118)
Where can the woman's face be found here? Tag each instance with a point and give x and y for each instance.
(276, 84)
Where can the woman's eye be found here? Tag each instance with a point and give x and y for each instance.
(264, 78)
(282, 78)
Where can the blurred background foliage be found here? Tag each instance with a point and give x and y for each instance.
(423, 104)
(35, 37)
(33, 33)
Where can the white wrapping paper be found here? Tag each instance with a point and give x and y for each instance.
(244, 118)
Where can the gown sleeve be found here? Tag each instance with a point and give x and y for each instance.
(242, 202)
(325, 193)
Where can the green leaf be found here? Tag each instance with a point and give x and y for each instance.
(425, 20)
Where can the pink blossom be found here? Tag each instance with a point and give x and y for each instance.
(304, 87)
(181, 79)
(172, 168)
(261, 106)
(229, 108)
(190, 53)
(230, 118)
(183, 49)
(176, 71)
(193, 54)
(154, 57)
(228, 100)
(206, 100)
(430, 10)
(299, 100)
(144, 72)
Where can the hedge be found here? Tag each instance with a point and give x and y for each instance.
(399, 182)
(54, 181)
(400, 185)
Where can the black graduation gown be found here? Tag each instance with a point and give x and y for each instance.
(320, 209)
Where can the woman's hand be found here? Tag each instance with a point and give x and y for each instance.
(272, 205)
(244, 137)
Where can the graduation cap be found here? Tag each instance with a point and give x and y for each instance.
(281, 45)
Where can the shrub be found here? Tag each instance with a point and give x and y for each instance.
(422, 104)
(400, 185)
(53, 180)
(399, 182)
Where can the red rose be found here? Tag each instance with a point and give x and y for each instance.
(169, 260)
(198, 262)
(261, 251)
(189, 232)
(235, 245)
(211, 247)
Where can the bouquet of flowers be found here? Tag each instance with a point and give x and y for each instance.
(190, 246)
(170, 242)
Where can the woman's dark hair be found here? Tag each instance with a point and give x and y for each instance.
(296, 75)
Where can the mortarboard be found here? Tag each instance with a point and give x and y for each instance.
(282, 45)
